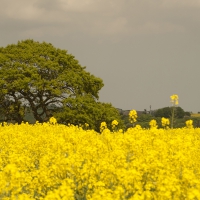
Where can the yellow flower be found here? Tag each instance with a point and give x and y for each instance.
(174, 99)
(114, 124)
(189, 123)
(48, 162)
(103, 126)
(138, 127)
(165, 122)
(133, 116)
(52, 120)
(86, 124)
(153, 124)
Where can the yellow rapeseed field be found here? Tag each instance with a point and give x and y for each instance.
(195, 115)
(52, 162)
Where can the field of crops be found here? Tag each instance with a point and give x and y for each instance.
(195, 115)
(45, 161)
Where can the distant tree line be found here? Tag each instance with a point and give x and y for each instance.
(145, 117)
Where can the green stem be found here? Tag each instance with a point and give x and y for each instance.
(172, 122)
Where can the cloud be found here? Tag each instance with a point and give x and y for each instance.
(180, 3)
(99, 18)
(21, 9)
(45, 11)
(79, 6)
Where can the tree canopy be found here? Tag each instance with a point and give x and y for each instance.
(89, 111)
(167, 112)
(34, 76)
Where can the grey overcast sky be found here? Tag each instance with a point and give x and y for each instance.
(144, 50)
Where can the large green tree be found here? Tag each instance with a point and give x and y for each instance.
(36, 75)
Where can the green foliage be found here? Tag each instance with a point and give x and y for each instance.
(13, 109)
(36, 75)
(163, 112)
(187, 114)
(167, 112)
(79, 111)
(144, 118)
(196, 121)
(180, 113)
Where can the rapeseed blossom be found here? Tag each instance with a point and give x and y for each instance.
(103, 126)
(138, 127)
(52, 120)
(153, 124)
(165, 122)
(189, 123)
(86, 125)
(174, 99)
(54, 162)
(133, 116)
(114, 124)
